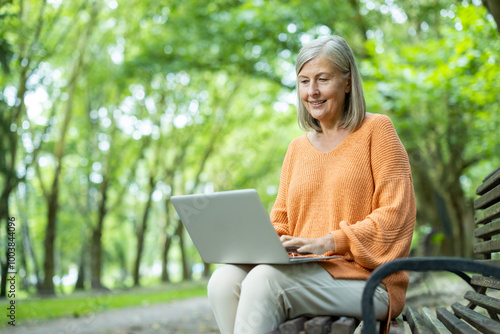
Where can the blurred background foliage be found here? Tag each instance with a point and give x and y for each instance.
(110, 107)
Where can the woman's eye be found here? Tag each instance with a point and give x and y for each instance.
(304, 81)
(322, 79)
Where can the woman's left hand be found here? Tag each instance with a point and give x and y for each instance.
(309, 245)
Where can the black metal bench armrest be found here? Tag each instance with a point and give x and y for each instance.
(451, 264)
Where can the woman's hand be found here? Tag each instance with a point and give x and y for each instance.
(308, 245)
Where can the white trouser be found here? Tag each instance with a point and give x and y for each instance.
(256, 299)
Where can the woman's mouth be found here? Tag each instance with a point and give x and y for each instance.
(317, 103)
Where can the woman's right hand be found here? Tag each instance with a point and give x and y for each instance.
(308, 245)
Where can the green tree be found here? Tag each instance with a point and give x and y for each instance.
(109, 108)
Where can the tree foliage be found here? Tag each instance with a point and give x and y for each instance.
(109, 107)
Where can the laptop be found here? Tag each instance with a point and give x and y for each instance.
(234, 227)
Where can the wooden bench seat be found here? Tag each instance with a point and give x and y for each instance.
(479, 309)
(328, 325)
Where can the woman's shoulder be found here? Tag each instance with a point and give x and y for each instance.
(298, 142)
(383, 131)
(377, 123)
(373, 119)
(295, 148)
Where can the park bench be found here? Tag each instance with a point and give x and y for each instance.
(477, 312)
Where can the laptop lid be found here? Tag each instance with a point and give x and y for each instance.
(232, 227)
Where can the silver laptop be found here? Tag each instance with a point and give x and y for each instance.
(233, 227)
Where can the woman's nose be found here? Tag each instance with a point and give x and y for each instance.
(313, 89)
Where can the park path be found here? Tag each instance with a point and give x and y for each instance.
(188, 316)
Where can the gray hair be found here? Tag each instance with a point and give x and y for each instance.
(335, 49)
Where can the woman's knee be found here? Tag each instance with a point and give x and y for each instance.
(265, 279)
(260, 306)
(226, 280)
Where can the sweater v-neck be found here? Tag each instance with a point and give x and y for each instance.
(342, 143)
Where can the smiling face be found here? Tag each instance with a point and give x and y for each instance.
(322, 89)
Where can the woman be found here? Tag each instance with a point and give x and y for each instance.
(345, 189)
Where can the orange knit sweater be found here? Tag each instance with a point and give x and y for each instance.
(361, 192)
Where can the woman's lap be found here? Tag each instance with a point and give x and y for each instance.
(266, 295)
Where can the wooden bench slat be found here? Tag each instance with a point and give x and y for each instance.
(319, 325)
(416, 322)
(488, 230)
(485, 247)
(344, 325)
(454, 324)
(490, 181)
(487, 302)
(479, 321)
(293, 326)
(487, 199)
(488, 214)
(433, 322)
(487, 282)
(492, 173)
(490, 306)
(493, 262)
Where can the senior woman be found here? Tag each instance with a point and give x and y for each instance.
(345, 189)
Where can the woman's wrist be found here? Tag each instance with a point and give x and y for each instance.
(328, 243)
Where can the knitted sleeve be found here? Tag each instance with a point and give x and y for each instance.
(279, 216)
(385, 234)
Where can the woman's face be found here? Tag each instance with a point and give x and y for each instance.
(322, 89)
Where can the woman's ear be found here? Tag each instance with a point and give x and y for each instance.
(348, 85)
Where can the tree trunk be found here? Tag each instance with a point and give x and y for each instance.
(462, 216)
(206, 270)
(493, 7)
(442, 204)
(122, 261)
(47, 287)
(96, 247)
(167, 241)
(80, 281)
(96, 257)
(26, 240)
(4, 209)
(8, 146)
(426, 211)
(53, 197)
(165, 277)
(141, 232)
(186, 268)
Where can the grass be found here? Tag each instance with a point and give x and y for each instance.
(84, 303)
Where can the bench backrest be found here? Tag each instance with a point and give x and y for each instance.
(487, 218)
